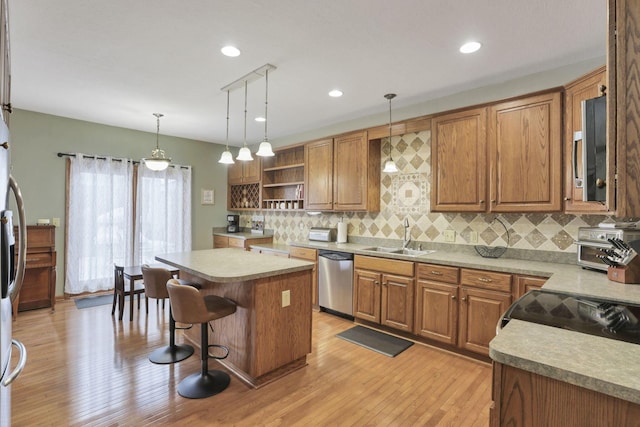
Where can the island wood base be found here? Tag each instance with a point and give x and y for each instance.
(522, 398)
(266, 341)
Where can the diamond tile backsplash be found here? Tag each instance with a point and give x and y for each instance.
(406, 195)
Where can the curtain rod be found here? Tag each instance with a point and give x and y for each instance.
(135, 162)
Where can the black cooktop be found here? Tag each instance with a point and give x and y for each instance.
(605, 318)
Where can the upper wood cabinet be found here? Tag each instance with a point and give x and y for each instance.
(586, 87)
(459, 161)
(525, 149)
(318, 175)
(501, 158)
(623, 97)
(343, 174)
(244, 172)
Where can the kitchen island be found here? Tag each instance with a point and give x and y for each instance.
(269, 335)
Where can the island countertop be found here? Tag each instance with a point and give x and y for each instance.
(232, 265)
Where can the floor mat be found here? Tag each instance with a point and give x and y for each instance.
(377, 341)
(94, 301)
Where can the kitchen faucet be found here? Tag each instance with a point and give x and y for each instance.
(405, 240)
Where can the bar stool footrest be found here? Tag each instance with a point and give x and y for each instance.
(211, 356)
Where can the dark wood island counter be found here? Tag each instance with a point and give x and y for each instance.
(270, 333)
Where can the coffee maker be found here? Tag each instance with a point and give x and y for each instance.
(233, 223)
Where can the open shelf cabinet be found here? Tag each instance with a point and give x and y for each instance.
(283, 180)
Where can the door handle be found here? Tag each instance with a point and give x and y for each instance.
(21, 362)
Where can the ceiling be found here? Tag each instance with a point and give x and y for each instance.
(116, 62)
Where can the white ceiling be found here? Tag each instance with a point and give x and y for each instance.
(118, 61)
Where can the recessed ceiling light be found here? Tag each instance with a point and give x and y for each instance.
(336, 93)
(260, 119)
(231, 51)
(470, 47)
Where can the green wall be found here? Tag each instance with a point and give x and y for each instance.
(37, 138)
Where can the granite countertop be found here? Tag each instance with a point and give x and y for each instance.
(232, 265)
(601, 364)
(274, 247)
(243, 234)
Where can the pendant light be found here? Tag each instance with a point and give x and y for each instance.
(227, 157)
(245, 154)
(390, 165)
(265, 149)
(157, 161)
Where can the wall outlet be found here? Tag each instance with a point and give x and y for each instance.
(473, 237)
(56, 222)
(449, 235)
(286, 298)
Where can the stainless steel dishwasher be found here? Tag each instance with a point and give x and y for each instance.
(335, 282)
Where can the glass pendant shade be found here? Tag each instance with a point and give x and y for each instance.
(244, 154)
(226, 158)
(158, 161)
(265, 149)
(390, 166)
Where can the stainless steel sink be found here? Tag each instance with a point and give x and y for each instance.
(400, 251)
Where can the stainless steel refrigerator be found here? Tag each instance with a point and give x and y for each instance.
(11, 274)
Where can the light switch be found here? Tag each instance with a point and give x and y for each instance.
(56, 222)
(473, 237)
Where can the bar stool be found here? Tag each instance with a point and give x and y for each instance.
(191, 307)
(155, 283)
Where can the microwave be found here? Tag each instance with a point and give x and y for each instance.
(590, 151)
(592, 240)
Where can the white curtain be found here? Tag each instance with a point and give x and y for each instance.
(163, 213)
(99, 227)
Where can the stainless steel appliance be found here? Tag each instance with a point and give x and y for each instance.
(233, 223)
(594, 316)
(11, 276)
(590, 149)
(593, 241)
(322, 234)
(335, 282)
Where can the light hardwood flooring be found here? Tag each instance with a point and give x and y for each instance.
(86, 368)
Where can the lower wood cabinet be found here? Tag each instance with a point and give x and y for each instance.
(383, 292)
(524, 284)
(39, 284)
(484, 297)
(238, 242)
(308, 254)
(437, 303)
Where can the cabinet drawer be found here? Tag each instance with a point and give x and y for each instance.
(303, 253)
(486, 279)
(220, 242)
(35, 260)
(439, 273)
(391, 266)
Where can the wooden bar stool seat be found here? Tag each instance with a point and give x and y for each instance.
(190, 306)
(155, 283)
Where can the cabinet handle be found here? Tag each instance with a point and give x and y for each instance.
(566, 199)
(481, 201)
(436, 273)
(493, 201)
(376, 282)
(484, 279)
(464, 298)
(453, 297)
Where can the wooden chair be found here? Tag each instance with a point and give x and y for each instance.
(189, 306)
(155, 283)
(119, 291)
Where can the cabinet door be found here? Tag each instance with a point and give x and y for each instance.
(366, 295)
(318, 171)
(480, 311)
(586, 87)
(251, 170)
(350, 161)
(220, 242)
(459, 161)
(237, 243)
(308, 255)
(525, 146)
(525, 284)
(437, 311)
(397, 302)
(235, 173)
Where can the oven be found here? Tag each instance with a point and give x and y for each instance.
(591, 241)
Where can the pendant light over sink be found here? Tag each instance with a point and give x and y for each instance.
(157, 161)
(265, 149)
(226, 157)
(390, 165)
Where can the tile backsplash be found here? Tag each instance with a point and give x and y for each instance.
(406, 195)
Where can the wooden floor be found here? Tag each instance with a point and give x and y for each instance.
(86, 368)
